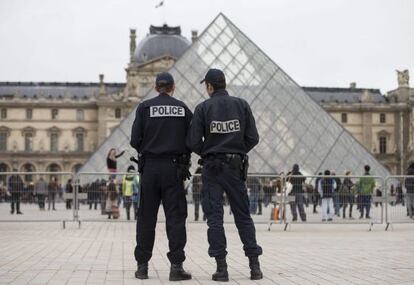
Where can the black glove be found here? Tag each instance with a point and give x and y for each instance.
(183, 167)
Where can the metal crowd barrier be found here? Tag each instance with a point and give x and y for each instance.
(35, 197)
(101, 197)
(400, 200)
(273, 199)
(302, 202)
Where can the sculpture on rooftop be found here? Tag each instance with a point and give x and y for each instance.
(403, 78)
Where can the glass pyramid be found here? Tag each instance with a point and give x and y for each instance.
(292, 127)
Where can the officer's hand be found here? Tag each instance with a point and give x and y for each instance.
(187, 175)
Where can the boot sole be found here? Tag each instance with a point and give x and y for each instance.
(180, 278)
(256, 277)
(220, 279)
(141, 277)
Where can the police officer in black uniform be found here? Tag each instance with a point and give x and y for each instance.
(222, 132)
(158, 135)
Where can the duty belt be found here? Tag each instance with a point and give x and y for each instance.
(223, 156)
(162, 156)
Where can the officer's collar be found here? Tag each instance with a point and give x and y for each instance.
(164, 94)
(221, 92)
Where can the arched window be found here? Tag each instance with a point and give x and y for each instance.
(79, 134)
(383, 144)
(118, 113)
(3, 168)
(4, 134)
(28, 167)
(76, 168)
(53, 168)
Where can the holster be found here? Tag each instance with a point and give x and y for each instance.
(245, 167)
(183, 163)
(141, 163)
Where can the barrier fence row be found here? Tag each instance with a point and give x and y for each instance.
(273, 199)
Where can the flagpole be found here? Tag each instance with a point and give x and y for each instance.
(161, 7)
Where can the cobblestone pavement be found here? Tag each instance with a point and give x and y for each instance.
(102, 253)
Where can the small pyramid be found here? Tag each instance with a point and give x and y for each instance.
(292, 127)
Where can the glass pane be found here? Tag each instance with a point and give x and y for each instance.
(293, 128)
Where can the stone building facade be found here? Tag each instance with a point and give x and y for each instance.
(383, 124)
(57, 126)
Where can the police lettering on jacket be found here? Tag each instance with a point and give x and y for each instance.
(160, 126)
(167, 111)
(220, 127)
(222, 124)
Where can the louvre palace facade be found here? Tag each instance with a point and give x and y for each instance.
(60, 126)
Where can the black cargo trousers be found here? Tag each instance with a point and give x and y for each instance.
(218, 177)
(160, 183)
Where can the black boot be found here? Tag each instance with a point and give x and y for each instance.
(255, 272)
(221, 274)
(177, 273)
(142, 271)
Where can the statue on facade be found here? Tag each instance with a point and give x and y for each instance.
(14, 145)
(403, 78)
(41, 145)
(66, 146)
(132, 43)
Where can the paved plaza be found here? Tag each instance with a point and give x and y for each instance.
(102, 253)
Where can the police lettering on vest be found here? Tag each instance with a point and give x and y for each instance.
(219, 127)
(167, 111)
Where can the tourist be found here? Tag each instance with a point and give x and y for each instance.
(111, 200)
(316, 197)
(197, 193)
(41, 190)
(409, 186)
(15, 189)
(69, 190)
(93, 194)
(111, 159)
(365, 190)
(297, 179)
(254, 187)
(52, 188)
(128, 189)
(336, 199)
(347, 195)
(326, 188)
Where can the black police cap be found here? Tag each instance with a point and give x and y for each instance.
(164, 79)
(214, 76)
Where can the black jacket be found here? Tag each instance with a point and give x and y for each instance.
(297, 182)
(15, 184)
(160, 127)
(222, 124)
(409, 182)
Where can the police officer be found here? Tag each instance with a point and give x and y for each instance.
(158, 135)
(222, 132)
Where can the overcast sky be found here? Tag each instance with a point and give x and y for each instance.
(317, 42)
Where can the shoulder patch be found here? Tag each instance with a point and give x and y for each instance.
(166, 111)
(224, 127)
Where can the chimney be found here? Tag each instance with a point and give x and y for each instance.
(101, 85)
(352, 85)
(132, 43)
(194, 35)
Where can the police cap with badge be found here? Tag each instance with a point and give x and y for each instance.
(213, 76)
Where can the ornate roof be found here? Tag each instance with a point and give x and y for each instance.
(55, 90)
(343, 95)
(161, 41)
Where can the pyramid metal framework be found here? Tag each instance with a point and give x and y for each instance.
(292, 127)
